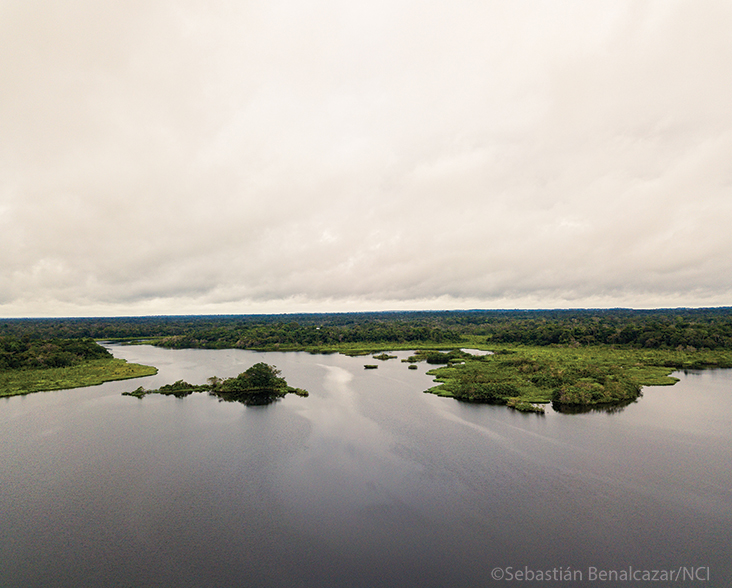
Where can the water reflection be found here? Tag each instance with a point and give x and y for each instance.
(610, 408)
(366, 482)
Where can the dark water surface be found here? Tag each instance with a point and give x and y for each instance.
(368, 482)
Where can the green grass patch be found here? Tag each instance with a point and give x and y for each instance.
(522, 405)
(90, 373)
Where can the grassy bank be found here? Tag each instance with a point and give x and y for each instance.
(90, 373)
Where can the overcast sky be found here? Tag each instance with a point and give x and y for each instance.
(186, 156)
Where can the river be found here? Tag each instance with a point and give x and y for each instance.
(367, 482)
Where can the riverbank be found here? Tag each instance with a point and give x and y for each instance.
(90, 373)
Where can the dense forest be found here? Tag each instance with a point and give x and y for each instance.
(27, 352)
(706, 328)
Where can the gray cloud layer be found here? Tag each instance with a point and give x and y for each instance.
(190, 156)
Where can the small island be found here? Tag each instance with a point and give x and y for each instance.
(260, 384)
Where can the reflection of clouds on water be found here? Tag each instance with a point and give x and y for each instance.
(337, 376)
(336, 412)
(347, 465)
(336, 416)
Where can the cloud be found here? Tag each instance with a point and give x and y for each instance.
(284, 156)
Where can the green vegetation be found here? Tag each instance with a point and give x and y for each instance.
(26, 353)
(30, 364)
(370, 366)
(572, 378)
(703, 328)
(524, 406)
(90, 373)
(179, 389)
(573, 358)
(260, 384)
(436, 357)
(359, 332)
(384, 356)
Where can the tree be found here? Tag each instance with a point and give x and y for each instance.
(260, 384)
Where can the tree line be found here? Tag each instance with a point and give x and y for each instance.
(706, 328)
(37, 353)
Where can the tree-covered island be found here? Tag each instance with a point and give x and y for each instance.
(260, 384)
(573, 379)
